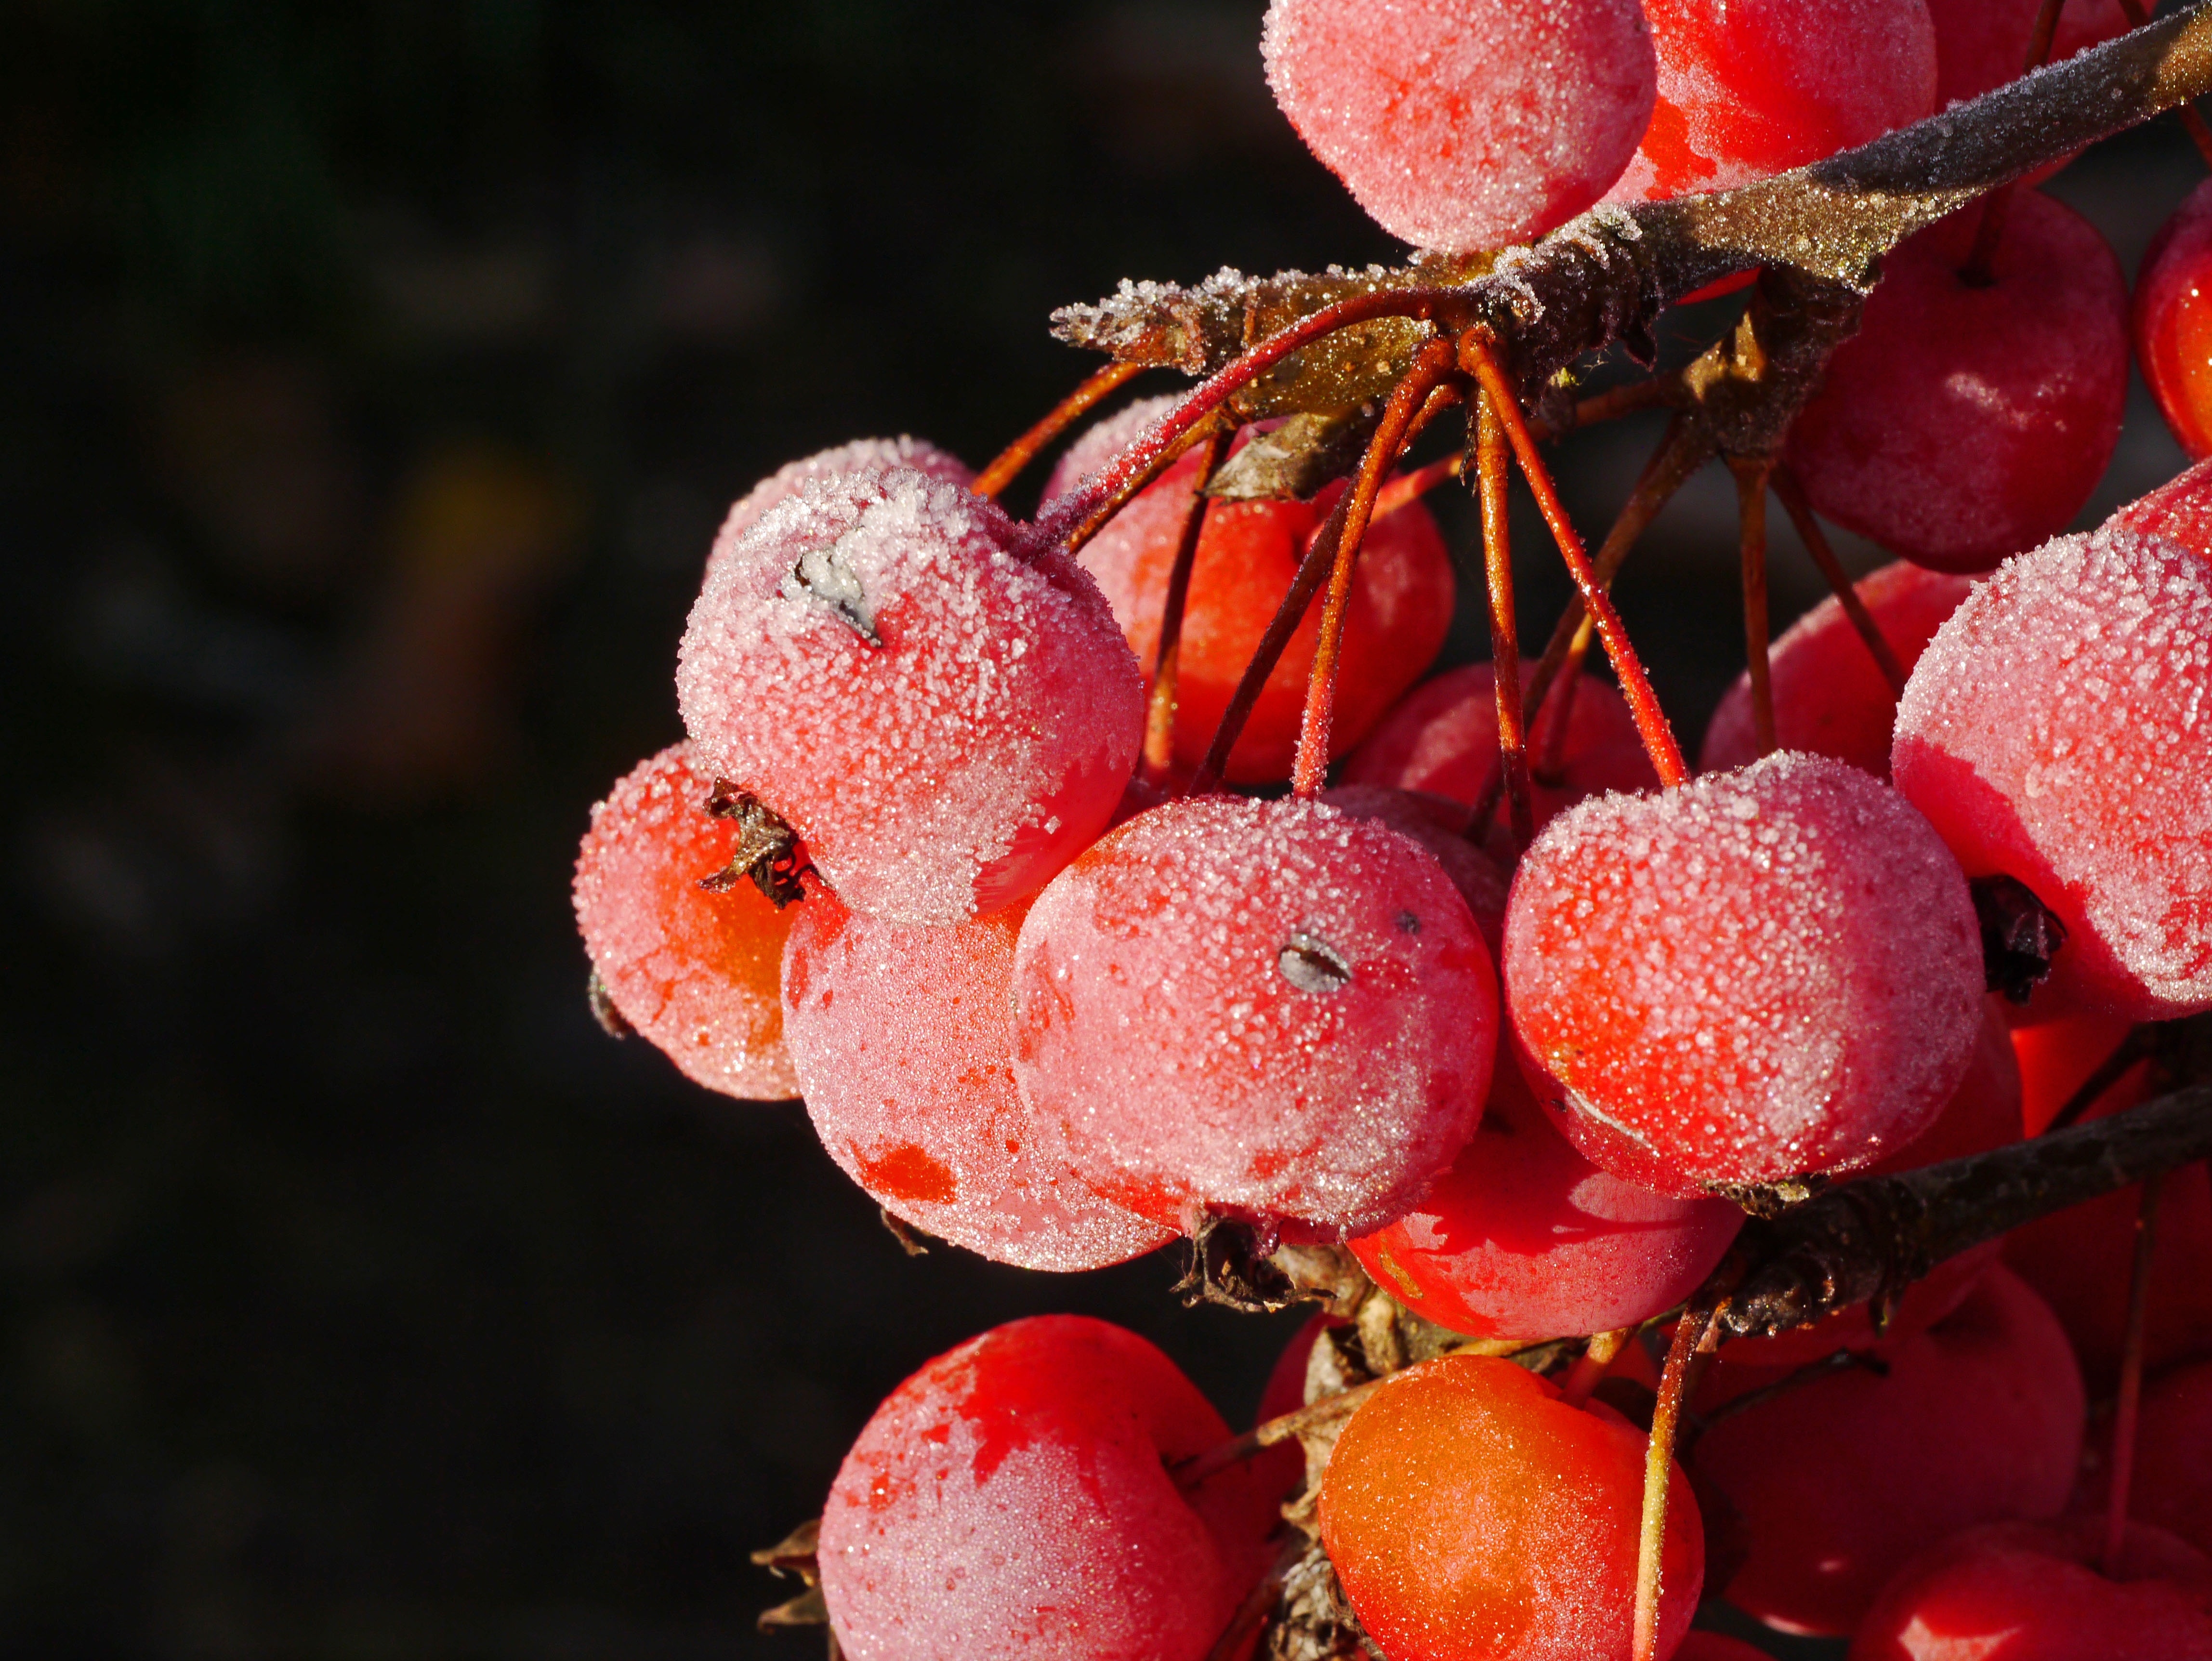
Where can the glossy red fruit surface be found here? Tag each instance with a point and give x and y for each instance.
(1760, 974)
(903, 1038)
(943, 709)
(1465, 124)
(1839, 1479)
(1983, 44)
(1013, 1499)
(2058, 729)
(1965, 422)
(695, 972)
(1523, 1238)
(2022, 1593)
(1443, 739)
(1268, 1010)
(1472, 1515)
(1751, 89)
(1830, 698)
(1248, 554)
(2173, 321)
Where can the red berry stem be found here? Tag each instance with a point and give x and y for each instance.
(1409, 400)
(1237, 1635)
(1007, 464)
(1160, 706)
(1593, 1364)
(2139, 1043)
(2191, 123)
(1133, 486)
(1492, 459)
(2132, 1366)
(1694, 1334)
(1666, 754)
(1145, 457)
(1792, 496)
(1751, 513)
(1557, 714)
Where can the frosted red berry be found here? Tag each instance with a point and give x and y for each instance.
(2179, 511)
(861, 454)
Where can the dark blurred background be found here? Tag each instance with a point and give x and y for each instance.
(371, 380)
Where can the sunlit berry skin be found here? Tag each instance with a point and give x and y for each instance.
(1983, 44)
(1472, 1515)
(2173, 321)
(2058, 729)
(1436, 823)
(904, 451)
(1268, 1010)
(1443, 738)
(693, 972)
(1749, 89)
(2179, 511)
(941, 707)
(1830, 695)
(1840, 1478)
(1523, 1238)
(1760, 974)
(1249, 552)
(1962, 423)
(1013, 1499)
(903, 1036)
(1465, 124)
(2025, 1592)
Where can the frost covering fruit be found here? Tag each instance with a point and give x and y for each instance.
(695, 972)
(781, 485)
(1465, 124)
(1271, 1010)
(1759, 973)
(942, 708)
(903, 1040)
(2058, 729)
(1013, 1499)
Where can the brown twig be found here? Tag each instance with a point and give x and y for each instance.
(1007, 464)
(1799, 509)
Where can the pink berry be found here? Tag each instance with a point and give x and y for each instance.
(1760, 974)
(1829, 697)
(1013, 1499)
(2058, 729)
(1523, 1238)
(1983, 44)
(2173, 321)
(943, 709)
(1443, 738)
(1465, 124)
(904, 451)
(903, 1037)
(693, 972)
(1756, 86)
(1268, 1010)
(1964, 423)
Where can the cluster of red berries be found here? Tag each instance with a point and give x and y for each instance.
(1046, 1001)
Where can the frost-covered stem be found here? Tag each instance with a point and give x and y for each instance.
(1751, 511)
(1160, 707)
(1007, 464)
(1593, 1364)
(1491, 461)
(2200, 134)
(1435, 364)
(1131, 485)
(1477, 356)
(1793, 502)
(1690, 1333)
(2132, 1366)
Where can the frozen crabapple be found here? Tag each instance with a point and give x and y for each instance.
(1757, 87)
(1247, 554)
(1271, 1011)
(1443, 738)
(941, 707)
(1983, 44)
(2058, 730)
(1465, 124)
(2028, 1591)
(2179, 512)
(1839, 1479)
(1435, 822)
(1474, 1515)
(904, 451)
(1830, 695)
(903, 1036)
(2173, 321)
(1013, 1499)
(1759, 975)
(1969, 419)
(693, 972)
(1523, 1238)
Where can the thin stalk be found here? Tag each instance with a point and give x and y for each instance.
(2191, 123)
(1751, 513)
(1007, 464)
(1618, 401)
(1407, 400)
(1492, 463)
(1593, 1364)
(2125, 1054)
(1253, 1611)
(1160, 707)
(1651, 725)
(1799, 509)
(1132, 485)
(1690, 1333)
(1978, 270)
(1412, 486)
(2132, 1366)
